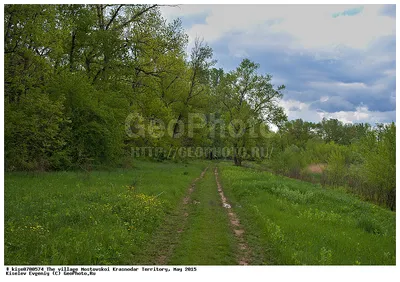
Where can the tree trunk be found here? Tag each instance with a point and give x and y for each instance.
(391, 199)
(237, 160)
(176, 125)
(236, 157)
(71, 52)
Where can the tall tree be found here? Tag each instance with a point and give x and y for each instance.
(249, 100)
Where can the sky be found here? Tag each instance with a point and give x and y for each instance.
(336, 61)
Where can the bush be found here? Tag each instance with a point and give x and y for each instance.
(96, 135)
(379, 167)
(34, 133)
(290, 162)
(336, 169)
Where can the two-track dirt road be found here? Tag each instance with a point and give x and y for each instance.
(203, 230)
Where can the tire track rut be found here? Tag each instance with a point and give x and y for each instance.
(171, 230)
(244, 251)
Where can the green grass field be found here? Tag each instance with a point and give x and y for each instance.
(136, 216)
(294, 222)
(89, 218)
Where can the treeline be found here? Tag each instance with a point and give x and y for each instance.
(75, 74)
(357, 156)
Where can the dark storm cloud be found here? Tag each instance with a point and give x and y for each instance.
(330, 79)
(350, 77)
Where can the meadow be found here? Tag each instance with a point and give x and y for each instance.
(125, 216)
(294, 222)
(99, 217)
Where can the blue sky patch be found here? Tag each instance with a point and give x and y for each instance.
(350, 12)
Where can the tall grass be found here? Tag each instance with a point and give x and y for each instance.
(98, 217)
(295, 222)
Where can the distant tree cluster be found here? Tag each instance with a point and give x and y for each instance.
(357, 156)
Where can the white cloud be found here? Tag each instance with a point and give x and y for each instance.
(173, 12)
(314, 27)
(341, 86)
(324, 98)
(295, 110)
(360, 115)
(311, 26)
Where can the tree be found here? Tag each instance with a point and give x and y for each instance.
(297, 132)
(94, 64)
(197, 72)
(249, 101)
(379, 166)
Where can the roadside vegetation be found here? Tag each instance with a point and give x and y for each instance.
(102, 217)
(357, 157)
(295, 222)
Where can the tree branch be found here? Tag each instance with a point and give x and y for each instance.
(114, 16)
(137, 16)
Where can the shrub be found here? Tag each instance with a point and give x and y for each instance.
(35, 133)
(290, 162)
(336, 169)
(379, 166)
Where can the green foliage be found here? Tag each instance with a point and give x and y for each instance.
(35, 133)
(379, 166)
(249, 100)
(295, 196)
(326, 256)
(96, 136)
(290, 162)
(88, 67)
(365, 164)
(70, 218)
(295, 222)
(297, 132)
(368, 224)
(336, 170)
